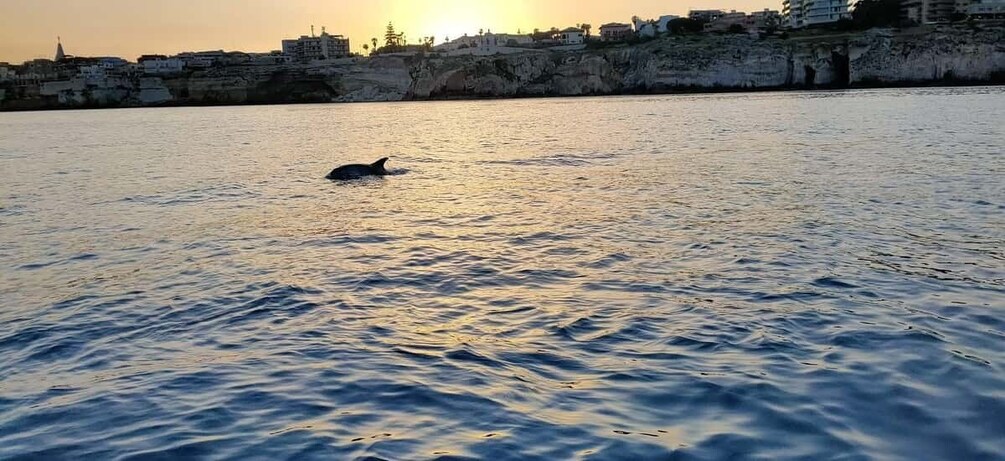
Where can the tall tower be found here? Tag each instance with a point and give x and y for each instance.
(60, 55)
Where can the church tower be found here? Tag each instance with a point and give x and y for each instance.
(60, 55)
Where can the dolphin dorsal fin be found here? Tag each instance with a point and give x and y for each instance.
(379, 164)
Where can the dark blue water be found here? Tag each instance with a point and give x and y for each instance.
(770, 276)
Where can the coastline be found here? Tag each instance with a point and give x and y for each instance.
(881, 58)
(674, 92)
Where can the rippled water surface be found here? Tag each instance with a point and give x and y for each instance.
(763, 276)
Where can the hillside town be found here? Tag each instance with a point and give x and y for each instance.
(73, 79)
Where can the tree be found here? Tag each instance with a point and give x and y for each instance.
(543, 35)
(681, 26)
(876, 13)
(374, 41)
(366, 47)
(586, 28)
(391, 37)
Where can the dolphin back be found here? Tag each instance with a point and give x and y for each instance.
(378, 166)
(349, 172)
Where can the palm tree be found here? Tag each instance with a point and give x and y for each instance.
(374, 41)
(366, 47)
(586, 28)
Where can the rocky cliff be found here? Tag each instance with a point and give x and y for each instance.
(962, 54)
(671, 64)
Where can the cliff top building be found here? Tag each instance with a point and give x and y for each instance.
(705, 16)
(986, 9)
(927, 11)
(487, 44)
(572, 36)
(313, 48)
(616, 31)
(727, 20)
(941, 11)
(798, 14)
(6, 72)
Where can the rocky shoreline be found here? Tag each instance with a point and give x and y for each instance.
(877, 58)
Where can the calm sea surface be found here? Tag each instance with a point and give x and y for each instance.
(763, 276)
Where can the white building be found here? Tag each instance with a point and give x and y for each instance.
(727, 20)
(987, 9)
(93, 73)
(36, 71)
(705, 16)
(113, 63)
(653, 27)
(201, 59)
(467, 41)
(644, 27)
(491, 40)
(766, 19)
(927, 11)
(805, 13)
(160, 65)
(572, 36)
(313, 48)
(486, 44)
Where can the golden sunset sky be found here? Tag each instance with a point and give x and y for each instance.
(129, 28)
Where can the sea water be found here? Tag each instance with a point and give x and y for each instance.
(802, 275)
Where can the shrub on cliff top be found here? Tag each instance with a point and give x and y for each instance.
(682, 26)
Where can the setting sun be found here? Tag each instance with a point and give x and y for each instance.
(454, 18)
(129, 29)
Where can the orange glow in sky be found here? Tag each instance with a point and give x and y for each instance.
(129, 28)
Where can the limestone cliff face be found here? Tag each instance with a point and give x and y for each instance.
(721, 63)
(706, 63)
(973, 55)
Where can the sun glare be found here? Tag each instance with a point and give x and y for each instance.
(454, 18)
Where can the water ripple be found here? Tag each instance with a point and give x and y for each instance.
(666, 278)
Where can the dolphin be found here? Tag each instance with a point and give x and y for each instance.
(348, 172)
